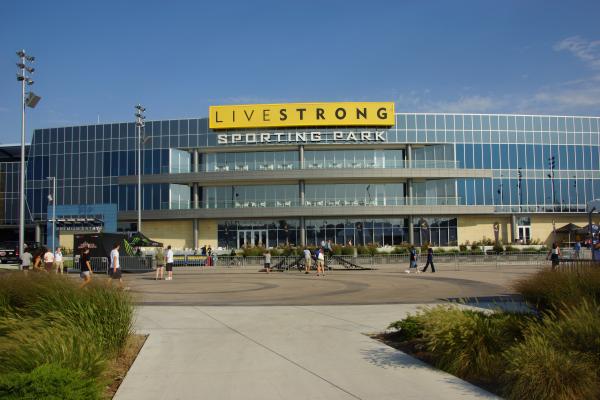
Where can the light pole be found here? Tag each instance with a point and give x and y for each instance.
(552, 165)
(52, 198)
(139, 123)
(520, 186)
(31, 101)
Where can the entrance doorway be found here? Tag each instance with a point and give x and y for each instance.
(524, 234)
(251, 238)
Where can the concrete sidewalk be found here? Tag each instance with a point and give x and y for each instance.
(289, 352)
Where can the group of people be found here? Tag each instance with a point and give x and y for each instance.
(44, 260)
(412, 261)
(114, 269)
(163, 260)
(319, 258)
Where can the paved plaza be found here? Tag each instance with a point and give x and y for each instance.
(241, 334)
(206, 286)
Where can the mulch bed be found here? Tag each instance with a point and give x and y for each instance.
(119, 367)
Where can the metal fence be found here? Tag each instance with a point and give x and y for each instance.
(368, 261)
(453, 261)
(127, 264)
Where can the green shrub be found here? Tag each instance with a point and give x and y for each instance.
(538, 370)
(400, 250)
(408, 328)
(440, 251)
(469, 343)
(499, 248)
(559, 357)
(453, 251)
(369, 250)
(475, 246)
(348, 251)
(47, 318)
(551, 290)
(49, 381)
(337, 250)
(253, 251)
(34, 344)
(462, 247)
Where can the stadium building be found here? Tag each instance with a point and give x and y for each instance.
(298, 174)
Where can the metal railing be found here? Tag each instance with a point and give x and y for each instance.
(127, 264)
(363, 202)
(327, 164)
(453, 260)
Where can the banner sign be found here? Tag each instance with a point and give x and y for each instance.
(250, 116)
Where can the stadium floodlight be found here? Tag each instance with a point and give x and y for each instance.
(139, 123)
(31, 101)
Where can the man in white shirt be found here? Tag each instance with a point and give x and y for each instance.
(169, 263)
(307, 261)
(321, 262)
(115, 268)
(26, 260)
(48, 260)
(58, 261)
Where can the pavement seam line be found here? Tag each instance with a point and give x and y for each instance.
(334, 317)
(278, 354)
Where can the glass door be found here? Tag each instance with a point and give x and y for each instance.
(252, 238)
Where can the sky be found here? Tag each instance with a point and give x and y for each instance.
(97, 60)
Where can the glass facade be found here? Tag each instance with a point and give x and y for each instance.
(9, 196)
(354, 159)
(440, 231)
(532, 164)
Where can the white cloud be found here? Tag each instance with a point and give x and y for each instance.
(586, 50)
(578, 95)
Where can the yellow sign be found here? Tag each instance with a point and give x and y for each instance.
(301, 114)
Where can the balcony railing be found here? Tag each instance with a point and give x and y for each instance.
(385, 202)
(342, 164)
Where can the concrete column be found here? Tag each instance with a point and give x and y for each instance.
(513, 228)
(196, 161)
(409, 189)
(409, 155)
(411, 231)
(302, 232)
(301, 190)
(195, 228)
(195, 196)
(301, 156)
(38, 233)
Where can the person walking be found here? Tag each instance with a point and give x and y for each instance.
(58, 261)
(37, 261)
(577, 249)
(160, 263)
(115, 267)
(208, 262)
(86, 267)
(429, 260)
(26, 261)
(412, 260)
(267, 261)
(169, 263)
(554, 255)
(48, 260)
(307, 260)
(321, 262)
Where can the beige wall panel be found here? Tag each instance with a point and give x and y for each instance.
(176, 233)
(207, 233)
(475, 227)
